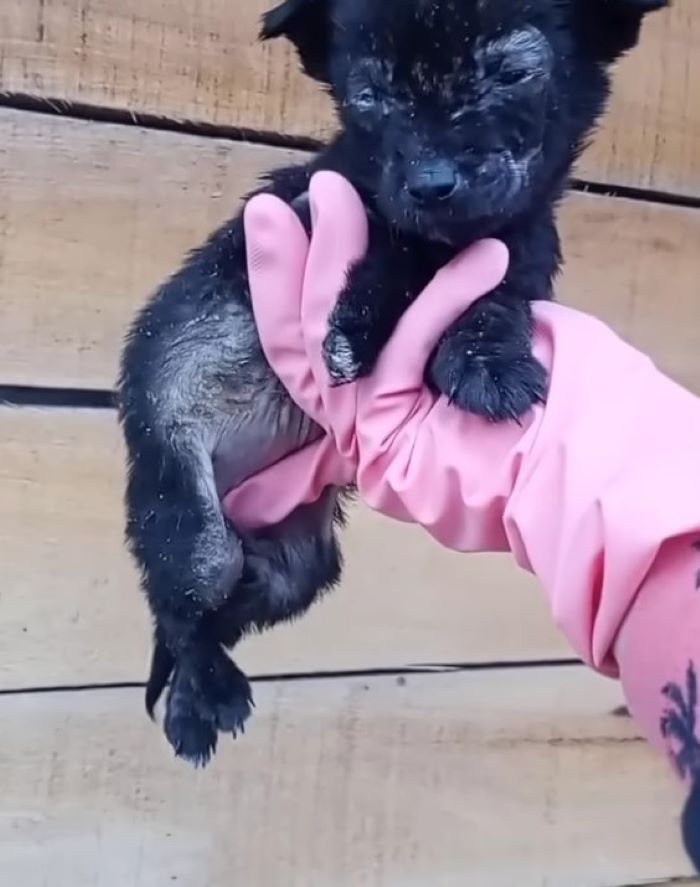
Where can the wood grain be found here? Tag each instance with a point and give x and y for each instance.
(71, 614)
(93, 216)
(466, 780)
(194, 61)
(650, 137)
(201, 62)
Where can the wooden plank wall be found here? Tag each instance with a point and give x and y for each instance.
(420, 726)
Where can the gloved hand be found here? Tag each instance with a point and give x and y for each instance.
(597, 493)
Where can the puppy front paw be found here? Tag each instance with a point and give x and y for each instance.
(341, 357)
(492, 385)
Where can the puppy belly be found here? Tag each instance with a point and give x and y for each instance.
(258, 436)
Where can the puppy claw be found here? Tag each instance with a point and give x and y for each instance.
(192, 737)
(232, 716)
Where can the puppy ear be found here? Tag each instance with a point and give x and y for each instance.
(610, 28)
(307, 24)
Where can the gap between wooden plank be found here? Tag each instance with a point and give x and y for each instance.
(106, 190)
(40, 396)
(100, 114)
(674, 882)
(628, 192)
(398, 672)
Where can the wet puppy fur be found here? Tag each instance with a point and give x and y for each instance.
(458, 119)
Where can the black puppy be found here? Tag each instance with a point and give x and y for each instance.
(459, 119)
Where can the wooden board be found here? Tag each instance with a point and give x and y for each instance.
(70, 612)
(468, 780)
(94, 216)
(174, 59)
(201, 62)
(636, 265)
(650, 137)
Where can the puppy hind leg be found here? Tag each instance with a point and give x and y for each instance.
(287, 568)
(190, 557)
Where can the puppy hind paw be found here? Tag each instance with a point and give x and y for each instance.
(212, 698)
(190, 730)
(228, 693)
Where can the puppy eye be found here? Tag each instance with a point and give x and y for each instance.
(365, 99)
(514, 76)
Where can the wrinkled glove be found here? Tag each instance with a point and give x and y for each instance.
(597, 493)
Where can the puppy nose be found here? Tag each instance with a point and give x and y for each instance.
(431, 181)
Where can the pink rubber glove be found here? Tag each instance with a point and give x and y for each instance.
(598, 493)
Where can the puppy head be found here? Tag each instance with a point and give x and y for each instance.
(462, 115)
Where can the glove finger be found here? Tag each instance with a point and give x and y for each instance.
(270, 496)
(339, 241)
(460, 283)
(277, 249)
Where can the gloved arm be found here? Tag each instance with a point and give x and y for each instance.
(584, 493)
(597, 493)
